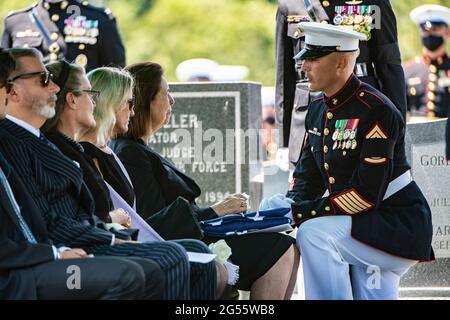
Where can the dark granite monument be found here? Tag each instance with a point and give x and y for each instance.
(425, 148)
(214, 136)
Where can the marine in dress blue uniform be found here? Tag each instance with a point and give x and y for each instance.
(428, 76)
(373, 215)
(80, 32)
(378, 64)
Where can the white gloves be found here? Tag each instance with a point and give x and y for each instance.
(276, 201)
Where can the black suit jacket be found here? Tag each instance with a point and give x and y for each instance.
(57, 186)
(158, 184)
(17, 255)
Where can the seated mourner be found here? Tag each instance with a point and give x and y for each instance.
(32, 268)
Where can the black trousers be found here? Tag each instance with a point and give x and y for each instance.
(99, 278)
(184, 280)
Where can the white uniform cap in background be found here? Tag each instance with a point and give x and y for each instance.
(209, 70)
(432, 13)
(268, 96)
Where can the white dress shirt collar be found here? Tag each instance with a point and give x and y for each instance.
(24, 125)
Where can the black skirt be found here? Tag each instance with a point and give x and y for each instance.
(255, 254)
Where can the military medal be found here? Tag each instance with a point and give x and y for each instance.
(348, 20)
(81, 30)
(367, 23)
(348, 144)
(353, 128)
(354, 144)
(338, 18)
(350, 16)
(366, 11)
(335, 145)
(335, 135)
(347, 129)
(358, 28)
(340, 135)
(336, 130)
(343, 124)
(359, 19)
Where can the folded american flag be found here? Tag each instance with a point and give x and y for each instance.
(272, 220)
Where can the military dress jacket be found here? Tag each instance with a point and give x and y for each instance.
(81, 33)
(428, 84)
(378, 64)
(354, 149)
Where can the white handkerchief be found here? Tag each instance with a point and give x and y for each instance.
(200, 257)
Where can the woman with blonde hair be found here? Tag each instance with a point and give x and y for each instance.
(74, 113)
(114, 108)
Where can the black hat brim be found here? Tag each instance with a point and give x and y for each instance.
(311, 54)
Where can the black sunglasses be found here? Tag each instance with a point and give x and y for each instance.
(45, 76)
(93, 94)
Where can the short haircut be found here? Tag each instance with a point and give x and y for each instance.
(7, 66)
(113, 84)
(17, 53)
(147, 77)
(73, 83)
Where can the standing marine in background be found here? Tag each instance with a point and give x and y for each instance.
(428, 77)
(378, 64)
(71, 29)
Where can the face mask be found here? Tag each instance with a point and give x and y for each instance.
(432, 42)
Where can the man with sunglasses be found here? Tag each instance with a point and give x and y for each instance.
(428, 77)
(30, 266)
(57, 186)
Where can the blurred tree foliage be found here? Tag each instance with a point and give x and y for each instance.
(228, 31)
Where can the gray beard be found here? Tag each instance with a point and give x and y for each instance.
(45, 111)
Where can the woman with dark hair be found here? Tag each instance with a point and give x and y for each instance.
(268, 262)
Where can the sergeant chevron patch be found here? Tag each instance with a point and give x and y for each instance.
(351, 202)
(376, 132)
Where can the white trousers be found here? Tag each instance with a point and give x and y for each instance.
(339, 267)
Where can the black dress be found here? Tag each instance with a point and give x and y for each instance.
(157, 183)
(111, 171)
